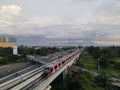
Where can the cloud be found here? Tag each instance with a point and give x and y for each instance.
(7, 12)
(88, 22)
(46, 20)
(107, 43)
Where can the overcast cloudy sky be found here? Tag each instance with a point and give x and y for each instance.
(42, 22)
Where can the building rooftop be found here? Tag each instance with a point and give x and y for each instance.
(7, 44)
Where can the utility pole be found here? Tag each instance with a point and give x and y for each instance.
(69, 39)
(98, 66)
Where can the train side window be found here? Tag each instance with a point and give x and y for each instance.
(66, 60)
(63, 62)
(56, 67)
(51, 69)
(47, 68)
(59, 64)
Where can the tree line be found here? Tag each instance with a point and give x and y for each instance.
(106, 56)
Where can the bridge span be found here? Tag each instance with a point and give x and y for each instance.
(45, 83)
(36, 80)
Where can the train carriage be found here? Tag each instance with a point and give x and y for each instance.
(51, 68)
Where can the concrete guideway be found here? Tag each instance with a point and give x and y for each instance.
(2, 80)
(19, 79)
(25, 83)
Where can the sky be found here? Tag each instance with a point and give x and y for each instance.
(61, 22)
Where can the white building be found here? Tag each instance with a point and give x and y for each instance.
(15, 51)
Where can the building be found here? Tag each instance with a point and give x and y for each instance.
(8, 41)
(7, 44)
(15, 51)
(2, 39)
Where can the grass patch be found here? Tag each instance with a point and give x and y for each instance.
(113, 71)
(118, 60)
(88, 62)
(94, 88)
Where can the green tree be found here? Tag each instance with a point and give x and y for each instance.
(104, 80)
(103, 62)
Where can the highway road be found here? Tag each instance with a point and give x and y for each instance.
(13, 82)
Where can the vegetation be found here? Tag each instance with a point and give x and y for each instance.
(7, 57)
(105, 60)
(81, 81)
(86, 62)
(107, 57)
(43, 51)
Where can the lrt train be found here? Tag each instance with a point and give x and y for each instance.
(55, 65)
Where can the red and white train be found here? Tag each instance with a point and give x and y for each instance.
(55, 65)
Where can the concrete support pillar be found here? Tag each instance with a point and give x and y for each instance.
(64, 73)
(77, 59)
(64, 79)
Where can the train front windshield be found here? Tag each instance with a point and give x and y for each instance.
(46, 70)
